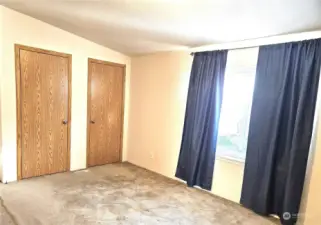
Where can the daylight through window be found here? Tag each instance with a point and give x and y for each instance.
(236, 107)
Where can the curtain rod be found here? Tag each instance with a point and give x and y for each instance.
(254, 46)
(252, 43)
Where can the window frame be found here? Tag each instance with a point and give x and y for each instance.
(239, 61)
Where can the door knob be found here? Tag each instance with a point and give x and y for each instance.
(91, 121)
(64, 122)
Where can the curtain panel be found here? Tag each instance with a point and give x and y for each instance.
(197, 153)
(281, 126)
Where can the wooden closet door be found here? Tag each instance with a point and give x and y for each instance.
(105, 95)
(44, 113)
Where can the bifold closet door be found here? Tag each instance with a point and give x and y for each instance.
(105, 112)
(43, 112)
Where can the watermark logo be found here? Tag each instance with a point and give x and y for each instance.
(286, 216)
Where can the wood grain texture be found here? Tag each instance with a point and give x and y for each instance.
(43, 102)
(105, 108)
(97, 61)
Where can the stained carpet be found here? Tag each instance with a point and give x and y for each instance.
(116, 194)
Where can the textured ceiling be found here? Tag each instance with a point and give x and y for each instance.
(144, 26)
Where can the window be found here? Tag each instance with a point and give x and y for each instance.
(236, 106)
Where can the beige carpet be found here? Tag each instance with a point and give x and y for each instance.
(116, 194)
(5, 217)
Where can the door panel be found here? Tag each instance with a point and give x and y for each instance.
(105, 113)
(44, 107)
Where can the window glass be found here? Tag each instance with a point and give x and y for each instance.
(236, 106)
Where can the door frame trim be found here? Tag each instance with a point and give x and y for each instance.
(19, 47)
(91, 60)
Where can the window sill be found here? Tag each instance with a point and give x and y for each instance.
(230, 160)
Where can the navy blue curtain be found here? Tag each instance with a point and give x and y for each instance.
(280, 130)
(197, 153)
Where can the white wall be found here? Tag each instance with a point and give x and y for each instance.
(158, 100)
(22, 29)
